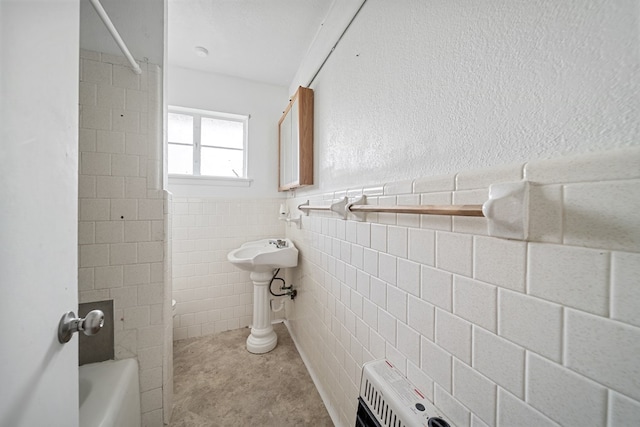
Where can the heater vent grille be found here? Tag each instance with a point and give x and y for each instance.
(393, 401)
(379, 406)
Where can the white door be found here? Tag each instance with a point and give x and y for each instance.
(39, 56)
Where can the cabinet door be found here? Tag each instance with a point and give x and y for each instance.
(296, 142)
(294, 158)
(285, 150)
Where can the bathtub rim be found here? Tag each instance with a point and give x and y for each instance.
(100, 407)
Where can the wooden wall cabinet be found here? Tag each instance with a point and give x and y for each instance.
(295, 142)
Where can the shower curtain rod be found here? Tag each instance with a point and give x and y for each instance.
(114, 33)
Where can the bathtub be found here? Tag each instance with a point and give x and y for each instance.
(110, 394)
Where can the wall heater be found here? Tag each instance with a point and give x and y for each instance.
(388, 399)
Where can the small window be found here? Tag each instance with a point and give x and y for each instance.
(206, 143)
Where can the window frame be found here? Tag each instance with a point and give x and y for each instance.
(197, 115)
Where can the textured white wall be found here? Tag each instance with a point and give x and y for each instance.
(420, 88)
(265, 103)
(423, 88)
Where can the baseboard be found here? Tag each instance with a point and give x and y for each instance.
(323, 394)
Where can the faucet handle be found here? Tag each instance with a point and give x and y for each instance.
(279, 243)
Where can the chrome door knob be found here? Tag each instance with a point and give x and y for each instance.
(93, 322)
(69, 324)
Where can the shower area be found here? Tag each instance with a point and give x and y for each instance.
(123, 233)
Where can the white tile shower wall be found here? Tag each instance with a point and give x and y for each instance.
(167, 372)
(211, 294)
(122, 216)
(498, 332)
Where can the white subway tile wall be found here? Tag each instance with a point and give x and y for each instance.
(122, 216)
(563, 395)
(475, 301)
(622, 410)
(212, 294)
(459, 414)
(475, 391)
(625, 292)
(496, 332)
(436, 363)
(515, 412)
(499, 360)
(531, 322)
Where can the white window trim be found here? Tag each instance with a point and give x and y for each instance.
(181, 179)
(222, 181)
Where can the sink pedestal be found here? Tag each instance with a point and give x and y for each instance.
(262, 258)
(263, 338)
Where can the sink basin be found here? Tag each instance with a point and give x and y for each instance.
(264, 255)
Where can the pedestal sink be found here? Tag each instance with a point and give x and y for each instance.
(261, 258)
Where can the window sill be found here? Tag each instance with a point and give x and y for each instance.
(218, 181)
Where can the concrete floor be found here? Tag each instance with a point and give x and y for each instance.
(217, 382)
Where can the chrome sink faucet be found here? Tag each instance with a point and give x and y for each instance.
(279, 243)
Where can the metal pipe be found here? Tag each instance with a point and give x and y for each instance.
(112, 29)
(336, 43)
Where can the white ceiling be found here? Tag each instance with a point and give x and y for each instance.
(261, 40)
